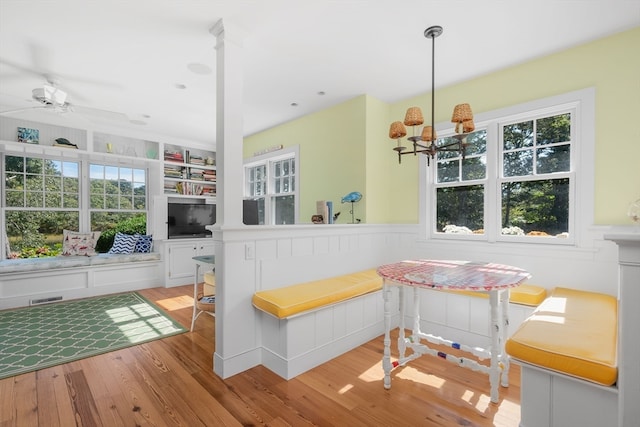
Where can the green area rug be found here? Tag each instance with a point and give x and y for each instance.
(38, 337)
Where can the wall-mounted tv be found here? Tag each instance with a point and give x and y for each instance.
(189, 220)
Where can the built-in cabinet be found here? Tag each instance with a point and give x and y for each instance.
(180, 267)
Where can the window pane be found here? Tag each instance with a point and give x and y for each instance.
(35, 199)
(15, 198)
(460, 209)
(52, 200)
(71, 200)
(476, 143)
(518, 163)
(53, 183)
(553, 159)
(108, 223)
(38, 233)
(554, 129)
(14, 164)
(14, 181)
(284, 210)
(538, 208)
(518, 135)
(474, 168)
(448, 171)
(34, 182)
(71, 184)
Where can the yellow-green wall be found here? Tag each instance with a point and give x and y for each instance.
(332, 161)
(347, 147)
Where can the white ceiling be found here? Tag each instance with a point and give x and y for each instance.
(127, 56)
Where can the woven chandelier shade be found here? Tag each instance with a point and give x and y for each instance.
(428, 134)
(461, 113)
(468, 126)
(413, 117)
(397, 130)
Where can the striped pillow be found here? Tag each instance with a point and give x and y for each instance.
(123, 244)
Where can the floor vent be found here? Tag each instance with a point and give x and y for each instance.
(44, 300)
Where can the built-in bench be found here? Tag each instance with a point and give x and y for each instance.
(568, 353)
(293, 300)
(306, 324)
(28, 281)
(526, 294)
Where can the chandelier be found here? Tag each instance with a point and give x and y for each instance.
(426, 142)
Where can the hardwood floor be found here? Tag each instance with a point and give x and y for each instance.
(170, 382)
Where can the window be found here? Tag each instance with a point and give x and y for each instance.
(117, 195)
(45, 195)
(519, 180)
(271, 181)
(42, 197)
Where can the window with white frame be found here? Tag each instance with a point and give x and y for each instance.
(42, 196)
(270, 179)
(519, 179)
(116, 194)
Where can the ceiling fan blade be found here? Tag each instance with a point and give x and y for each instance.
(19, 110)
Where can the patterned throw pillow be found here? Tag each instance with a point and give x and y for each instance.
(143, 244)
(75, 243)
(123, 243)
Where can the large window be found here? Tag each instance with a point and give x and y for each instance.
(271, 181)
(41, 198)
(45, 195)
(519, 178)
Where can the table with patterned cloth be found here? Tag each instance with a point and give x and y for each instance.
(496, 279)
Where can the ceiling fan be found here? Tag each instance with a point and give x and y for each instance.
(51, 97)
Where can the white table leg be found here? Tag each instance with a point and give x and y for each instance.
(386, 357)
(494, 371)
(402, 344)
(504, 334)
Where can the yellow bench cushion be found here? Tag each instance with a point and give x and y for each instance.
(524, 294)
(209, 283)
(294, 299)
(573, 332)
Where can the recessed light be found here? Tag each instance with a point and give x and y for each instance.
(197, 68)
(180, 86)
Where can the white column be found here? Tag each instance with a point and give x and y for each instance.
(235, 349)
(628, 321)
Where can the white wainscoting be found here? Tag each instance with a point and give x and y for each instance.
(18, 289)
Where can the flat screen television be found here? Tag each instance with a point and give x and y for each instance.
(189, 220)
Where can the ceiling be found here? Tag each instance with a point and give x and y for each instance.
(144, 60)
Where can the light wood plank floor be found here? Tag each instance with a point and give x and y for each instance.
(170, 382)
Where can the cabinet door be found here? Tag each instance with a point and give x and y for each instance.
(205, 248)
(181, 265)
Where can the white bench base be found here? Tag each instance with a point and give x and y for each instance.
(77, 277)
(551, 399)
(297, 344)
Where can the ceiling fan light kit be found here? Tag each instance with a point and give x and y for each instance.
(49, 95)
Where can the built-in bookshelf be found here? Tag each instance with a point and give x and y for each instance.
(189, 172)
